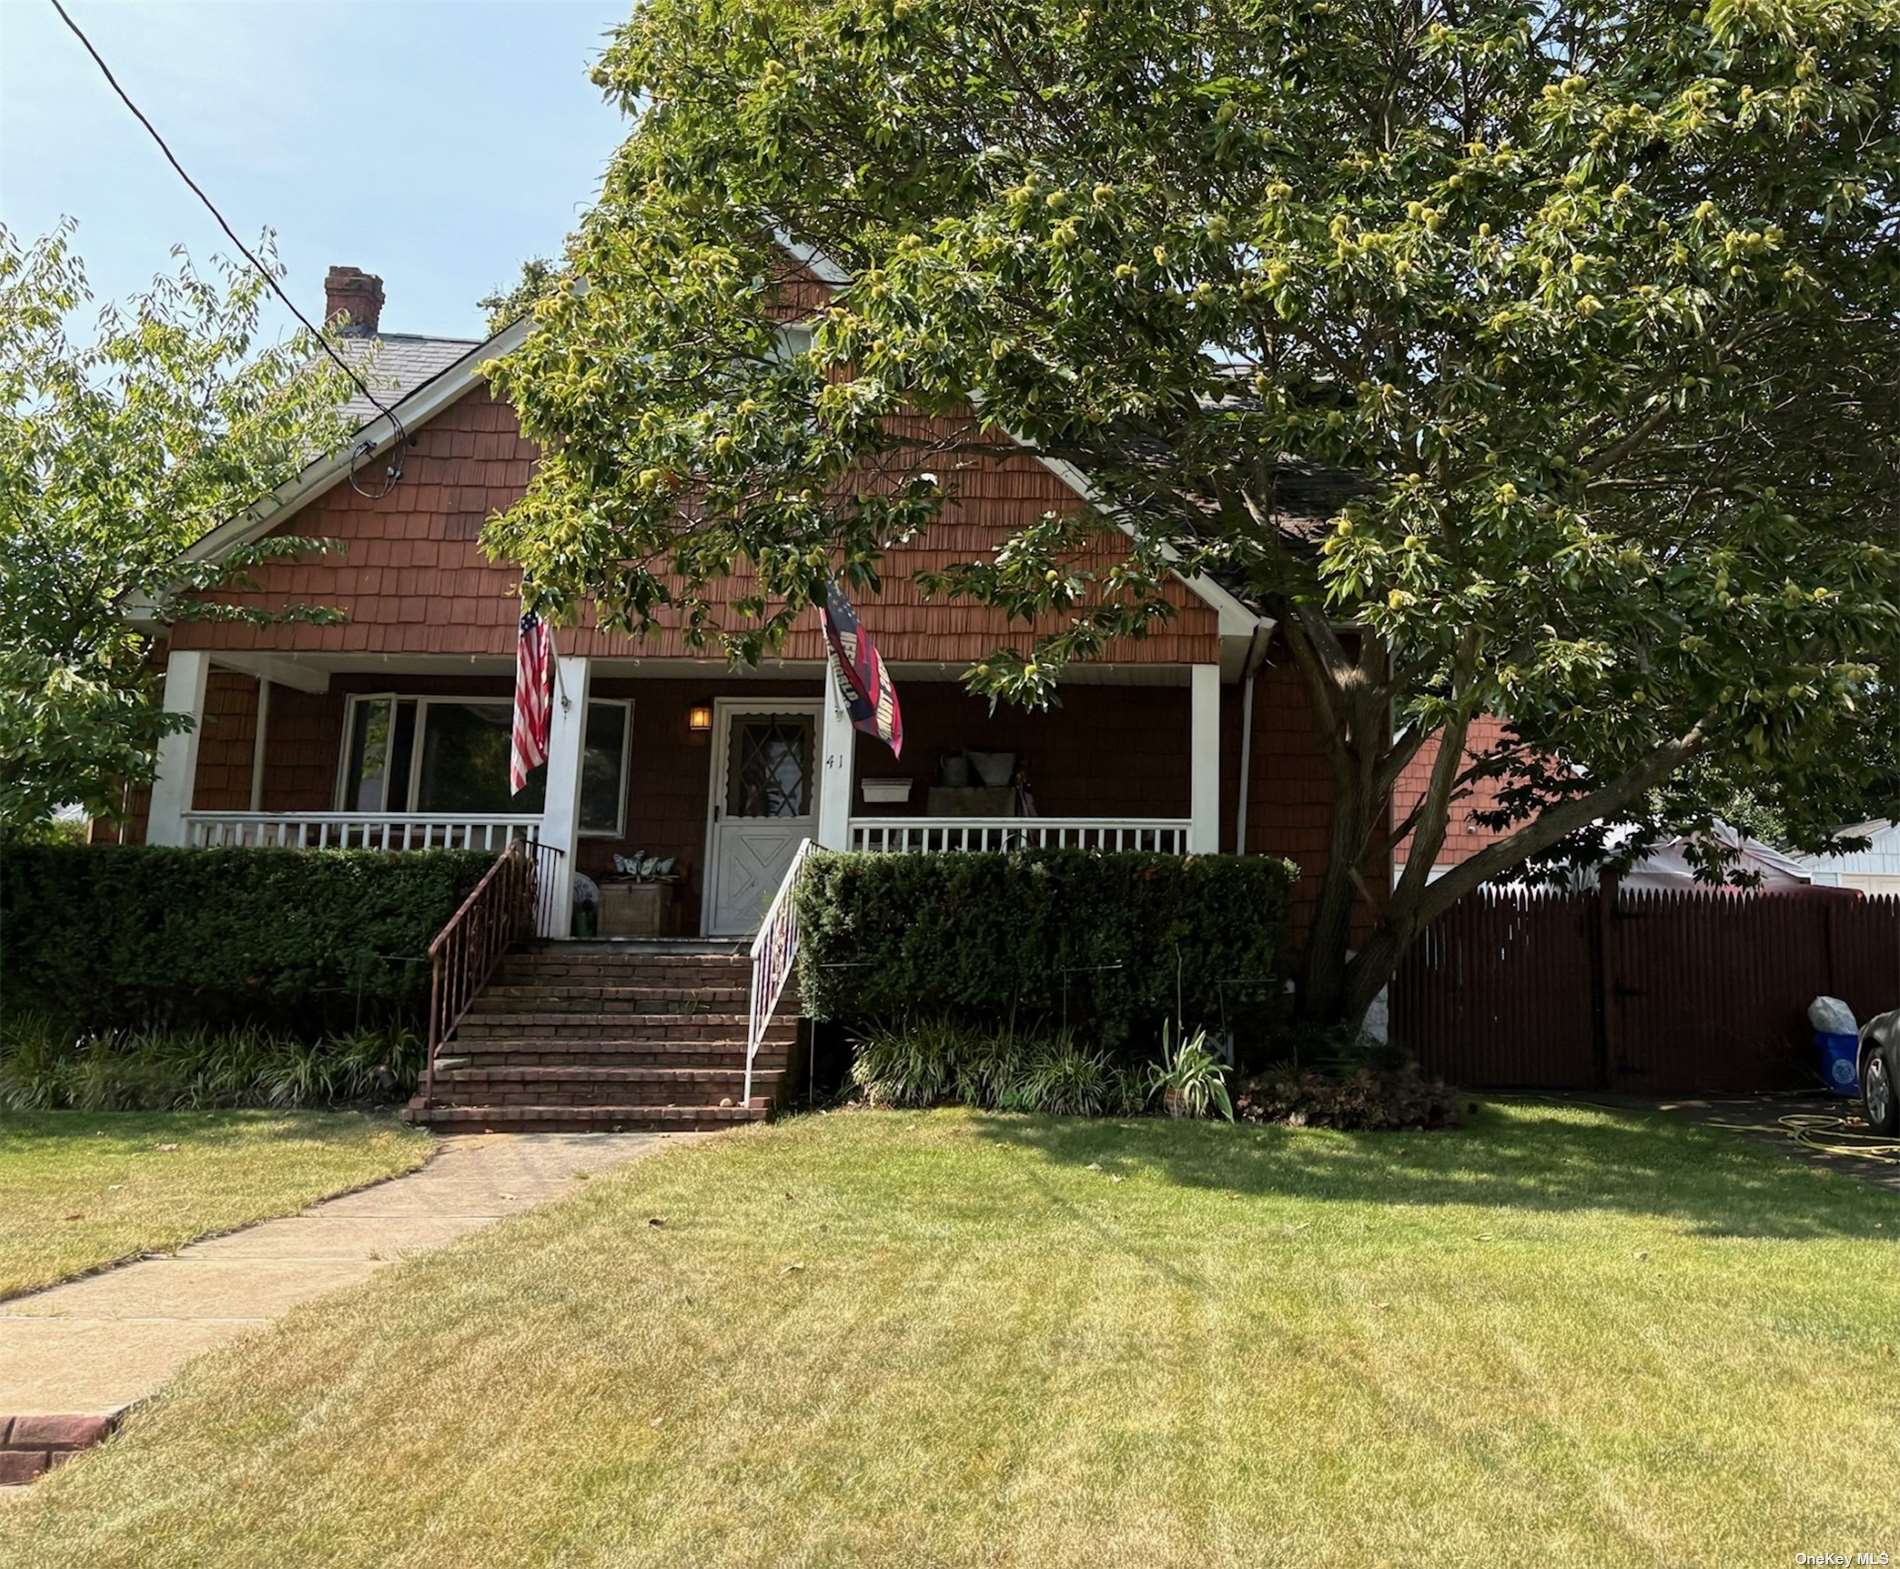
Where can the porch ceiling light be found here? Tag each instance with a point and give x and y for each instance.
(699, 717)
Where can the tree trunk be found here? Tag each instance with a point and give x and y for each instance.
(1341, 982)
(1330, 936)
(1354, 733)
(1370, 972)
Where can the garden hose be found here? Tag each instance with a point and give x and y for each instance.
(1829, 1134)
(1823, 1132)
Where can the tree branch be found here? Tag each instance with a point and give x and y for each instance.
(1552, 824)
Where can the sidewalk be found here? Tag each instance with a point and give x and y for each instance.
(73, 1357)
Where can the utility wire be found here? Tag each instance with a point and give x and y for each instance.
(395, 467)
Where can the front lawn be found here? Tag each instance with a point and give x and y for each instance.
(79, 1190)
(1561, 1336)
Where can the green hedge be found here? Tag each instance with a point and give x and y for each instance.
(135, 936)
(995, 936)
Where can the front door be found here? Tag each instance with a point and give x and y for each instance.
(766, 767)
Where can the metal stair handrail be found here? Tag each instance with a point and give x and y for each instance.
(512, 901)
(774, 952)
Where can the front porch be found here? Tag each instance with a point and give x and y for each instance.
(678, 762)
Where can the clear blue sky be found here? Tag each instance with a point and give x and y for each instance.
(437, 143)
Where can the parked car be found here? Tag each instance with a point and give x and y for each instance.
(1880, 1072)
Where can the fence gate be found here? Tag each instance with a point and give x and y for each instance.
(1639, 990)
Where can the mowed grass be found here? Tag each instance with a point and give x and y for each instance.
(80, 1190)
(1559, 1337)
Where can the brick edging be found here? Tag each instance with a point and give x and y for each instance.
(32, 1445)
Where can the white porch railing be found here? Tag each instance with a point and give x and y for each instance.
(774, 952)
(356, 830)
(932, 835)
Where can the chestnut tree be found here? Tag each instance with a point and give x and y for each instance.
(1533, 360)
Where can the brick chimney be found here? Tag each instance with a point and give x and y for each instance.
(355, 295)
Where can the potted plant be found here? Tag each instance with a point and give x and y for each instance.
(1190, 1078)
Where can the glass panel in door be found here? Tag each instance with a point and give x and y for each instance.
(769, 771)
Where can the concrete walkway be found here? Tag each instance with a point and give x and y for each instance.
(96, 1345)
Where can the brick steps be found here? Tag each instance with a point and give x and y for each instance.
(577, 1036)
(546, 996)
(594, 1026)
(563, 1085)
(592, 948)
(541, 1052)
(587, 1119)
(626, 969)
(656, 971)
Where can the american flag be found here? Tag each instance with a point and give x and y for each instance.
(869, 695)
(534, 670)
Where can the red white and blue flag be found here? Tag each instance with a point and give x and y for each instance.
(534, 675)
(864, 684)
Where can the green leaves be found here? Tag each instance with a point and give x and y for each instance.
(1504, 331)
(131, 936)
(116, 454)
(1127, 939)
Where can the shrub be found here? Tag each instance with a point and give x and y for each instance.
(307, 941)
(1130, 939)
(45, 830)
(1062, 1078)
(46, 1065)
(916, 1065)
(940, 1059)
(1337, 1052)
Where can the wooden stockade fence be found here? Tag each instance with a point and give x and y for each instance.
(1641, 989)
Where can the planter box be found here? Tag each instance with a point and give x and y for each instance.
(639, 910)
(885, 792)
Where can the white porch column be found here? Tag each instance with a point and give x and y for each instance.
(1204, 761)
(178, 754)
(837, 782)
(561, 817)
(259, 739)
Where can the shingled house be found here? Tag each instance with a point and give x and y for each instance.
(388, 725)
(390, 728)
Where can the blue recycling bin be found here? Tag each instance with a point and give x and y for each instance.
(1839, 1059)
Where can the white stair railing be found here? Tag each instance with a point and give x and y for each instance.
(774, 952)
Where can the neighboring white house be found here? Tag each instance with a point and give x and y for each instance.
(1668, 864)
(1873, 870)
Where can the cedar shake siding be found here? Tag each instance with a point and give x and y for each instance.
(227, 742)
(420, 596)
(1289, 805)
(412, 578)
(1464, 837)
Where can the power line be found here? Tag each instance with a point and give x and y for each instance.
(395, 467)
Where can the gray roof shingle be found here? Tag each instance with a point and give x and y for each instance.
(395, 364)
